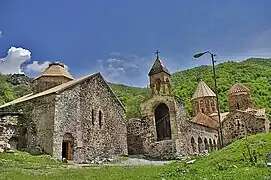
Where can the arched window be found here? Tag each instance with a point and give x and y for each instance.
(212, 105)
(202, 110)
(158, 85)
(92, 116)
(100, 119)
(197, 107)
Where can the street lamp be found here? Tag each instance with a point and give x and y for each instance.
(216, 93)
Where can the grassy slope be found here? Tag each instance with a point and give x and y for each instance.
(227, 163)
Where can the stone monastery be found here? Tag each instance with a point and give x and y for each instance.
(81, 119)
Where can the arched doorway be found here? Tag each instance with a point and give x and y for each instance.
(67, 146)
(162, 122)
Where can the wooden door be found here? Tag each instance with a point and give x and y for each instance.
(68, 150)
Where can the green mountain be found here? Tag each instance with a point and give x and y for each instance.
(255, 73)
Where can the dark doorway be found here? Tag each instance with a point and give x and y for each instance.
(64, 150)
(162, 121)
(67, 146)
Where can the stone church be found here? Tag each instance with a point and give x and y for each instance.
(81, 119)
(164, 132)
(67, 118)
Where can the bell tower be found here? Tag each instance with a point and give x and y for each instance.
(160, 78)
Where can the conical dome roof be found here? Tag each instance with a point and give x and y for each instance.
(203, 90)
(238, 88)
(158, 67)
(55, 69)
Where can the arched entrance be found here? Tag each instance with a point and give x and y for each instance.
(67, 146)
(162, 122)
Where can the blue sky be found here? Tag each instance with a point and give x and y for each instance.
(119, 37)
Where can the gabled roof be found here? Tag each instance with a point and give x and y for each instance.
(238, 88)
(55, 69)
(58, 89)
(158, 67)
(203, 90)
(205, 120)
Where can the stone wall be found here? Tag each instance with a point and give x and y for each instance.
(8, 127)
(136, 136)
(142, 135)
(200, 138)
(238, 124)
(35, 124)
(94, 117)
(46, 82)
(240, 101)
(206, 105)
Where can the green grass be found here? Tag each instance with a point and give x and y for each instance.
(228, 163)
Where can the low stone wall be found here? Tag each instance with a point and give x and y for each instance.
(162, 150)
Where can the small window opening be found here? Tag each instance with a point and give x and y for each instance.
(202, 110)
(92, 117)
(237, 105)
(100, 119)
(238, 124)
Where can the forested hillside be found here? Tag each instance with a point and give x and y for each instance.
(254, 73)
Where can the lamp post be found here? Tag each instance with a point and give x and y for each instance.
(216, 93)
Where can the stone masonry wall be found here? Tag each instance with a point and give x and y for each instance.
(92, 115)
(200, 138)
(142, 138)
(238, 124)
(36, 124)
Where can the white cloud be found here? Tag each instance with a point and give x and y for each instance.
(14, 59)
(1, 32)
(37, 67)
(125, 68)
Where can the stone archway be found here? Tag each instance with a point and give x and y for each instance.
(214, 145)
(206, 145)
(67, 146)
(210, 144)
(162, 122)
(193, 145)
(200, 145)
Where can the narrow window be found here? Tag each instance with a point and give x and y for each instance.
(202, 110)
(238, 107)
(100, 119)
(92, 117)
